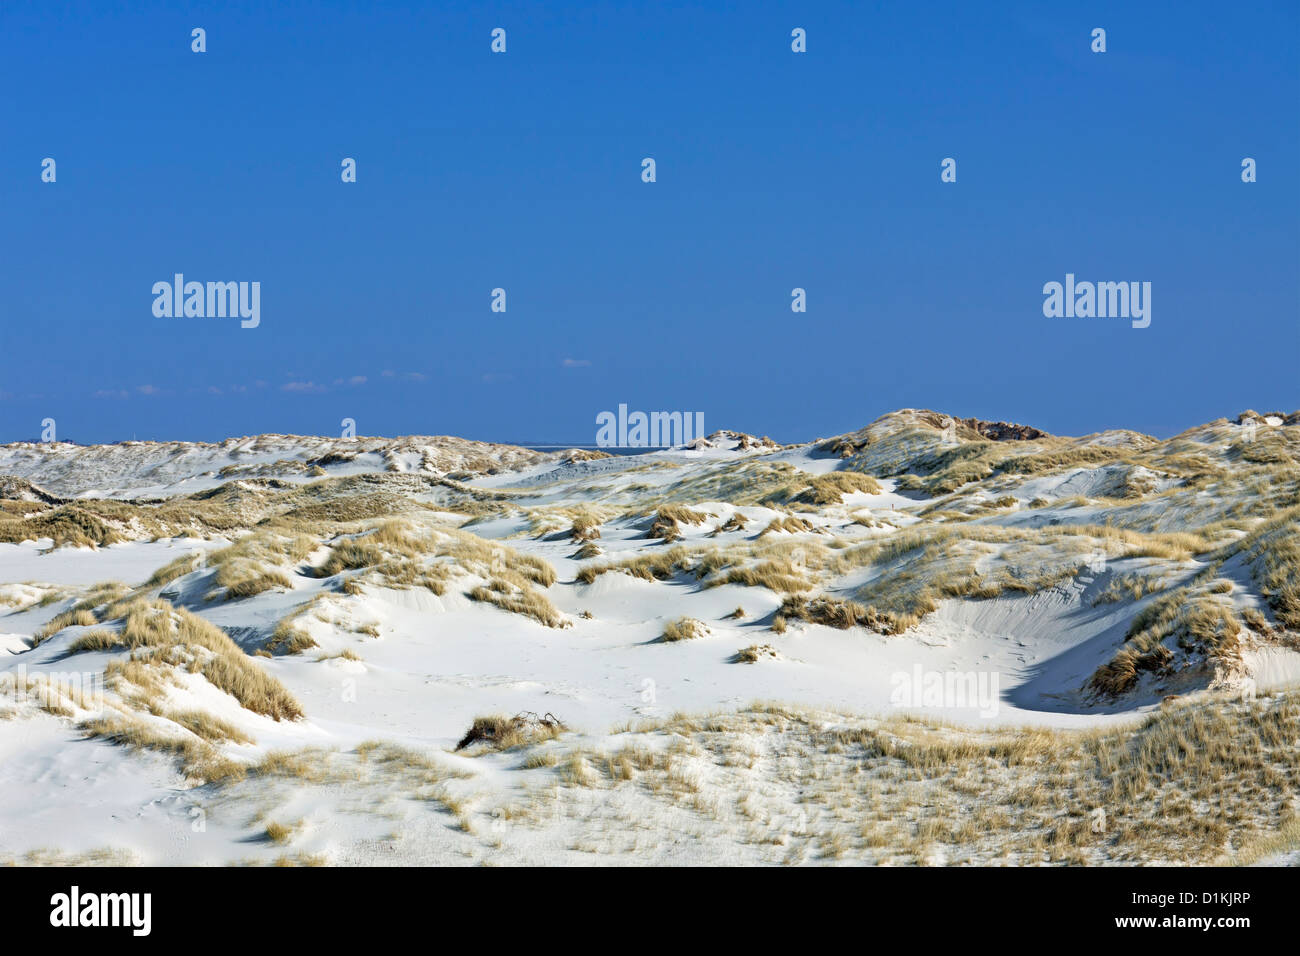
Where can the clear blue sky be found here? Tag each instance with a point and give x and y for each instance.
(522, 171)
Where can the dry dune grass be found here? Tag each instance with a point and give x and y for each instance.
(169, 572)
(790, 524)
(82, 613)
(1194, 619)
(208, 726)
(65, 525)
(947, 469)
(736, 522)
(1274, 552)
(682, 629)
(753, 654)
(585, 528)
(1207, 782)
(289, 638)
(1201, 619)
(199, 759)
(925, 463)
(352, 554)
(96, 640)
(841, 614)
(76, 617)
(242, 580)
(1130, 587)
(397, 546)
(400, 553)
(1077, 539)
(247, 503)
(669, 519)
(161, 637)
(776, 572)
(924, 566)
(281, 833)
(657, 566)
(499, 732)
(196, 740)
(582, 520)
(257, 562)
(512, 593)
(783, 566)
(745, 482)
(475, 553)
(830, 488)
(918, 580)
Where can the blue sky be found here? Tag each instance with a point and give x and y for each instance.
(522, 171)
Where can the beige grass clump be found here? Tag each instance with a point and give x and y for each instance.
(281, 544)
(99, 639)
(736, 522)
(499, 732)
(830, 488)
(65, 525)
(1129, 587)
(281, 833)
(518, 597)
(85, 612)
(177, 568)
(162, 637)
(72, 618)
(839, 613)
(199, 759)
(404, 557)
(242, 580)
(669, 519)
(1198, 783)
(585, 528)
(1274, 552)
(656, 566)
(209, 727)
(289, 638)
(351, 554)
(790, 524)
(683, 629)
(1200, 623)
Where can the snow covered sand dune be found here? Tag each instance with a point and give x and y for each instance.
(1014, 612)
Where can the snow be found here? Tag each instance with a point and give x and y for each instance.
(440, 661)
